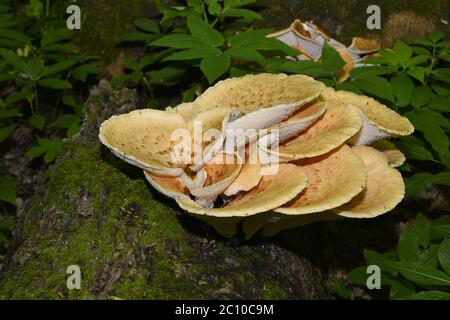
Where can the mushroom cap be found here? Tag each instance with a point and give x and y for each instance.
(394, 156)
(364, 45)
(383, 191)
(333, 180)
(143, 138)
(253, 92)
(272, 191)
(300, 120)
(247, 179)
(376, 113)
(172, 187)
(339, 123)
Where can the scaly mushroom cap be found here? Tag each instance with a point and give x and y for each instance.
(143, 138)
(272, 191)
(383, 191)
(253, 92)
(339, 123)
(380, 121)
(394, 156)
(333, 179)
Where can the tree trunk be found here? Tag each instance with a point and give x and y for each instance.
(98, 213)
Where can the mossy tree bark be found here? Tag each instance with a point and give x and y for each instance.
(98, 213)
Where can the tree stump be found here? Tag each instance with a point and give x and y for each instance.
(98, 213)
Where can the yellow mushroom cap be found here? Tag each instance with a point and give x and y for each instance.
(339, 123)
(253, 92)
(383, 191)
(143, 138)
(364, 45)
(272, 191)
(376, 113)
(333, 179)
(394, 156)
(248, 178)
(169, 186)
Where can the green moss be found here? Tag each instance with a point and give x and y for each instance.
(128, 245)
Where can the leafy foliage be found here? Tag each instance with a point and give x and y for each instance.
(39, 68)
(419, 268)
(199, 43)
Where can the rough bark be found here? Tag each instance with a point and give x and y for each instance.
(97, 212)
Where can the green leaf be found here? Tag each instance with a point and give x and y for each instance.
(244, 13)
(16, 36)
(358, 275)
(417, 60)
(214, 66)
(440, 104)
(422, 230)
(9, 113)
(194, 53)
(147, 25)
(390, 57)
(421, 181)
(203, 31)
(37, 121)
(408, 246)
(423, 42)
(435, 37)
(413, 148)
(376, 86)
(50, 156)
(420, 274)
(403, 88)
(6, 131)
(66, 121)
(403, 52)
(245, 54)
(417, 73)
(6, 224)
(248, 36)
(429, 295)
(214, 7)
(331, 59)
(179, 41)
(8, 194)
(426, 123)
(58, 67)
(444, 255)
(81, 72)
(306, 67)
(420, 96)
(341, 290)
(12, 59)
(35, 66)
(57, 84)
(55, 35)
(36, 151)
(348, 87)
(369, 71)
(429, 256)
(166, 76)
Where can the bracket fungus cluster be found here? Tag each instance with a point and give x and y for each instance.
(309, 39)
(327, 153)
